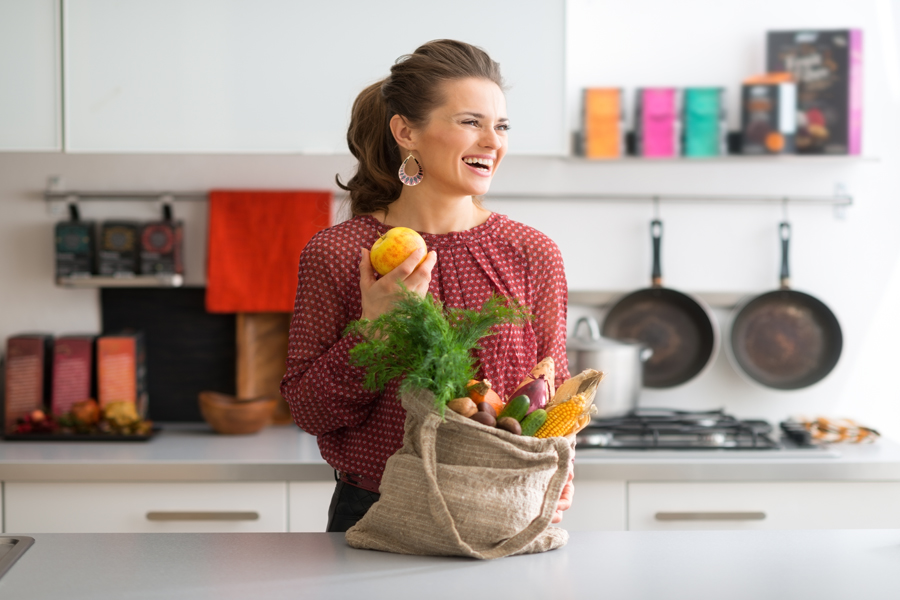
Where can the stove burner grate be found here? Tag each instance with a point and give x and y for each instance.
(646, 428)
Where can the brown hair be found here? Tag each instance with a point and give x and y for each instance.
(412, 90)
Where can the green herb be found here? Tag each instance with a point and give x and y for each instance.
(429, 345)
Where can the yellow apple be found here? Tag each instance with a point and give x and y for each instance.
(394, 247)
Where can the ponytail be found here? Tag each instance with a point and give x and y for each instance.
(372, 187)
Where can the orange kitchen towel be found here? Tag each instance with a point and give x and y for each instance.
(255, 240)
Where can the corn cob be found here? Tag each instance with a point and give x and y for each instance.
(563, 418)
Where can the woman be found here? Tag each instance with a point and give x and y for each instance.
(429, 139)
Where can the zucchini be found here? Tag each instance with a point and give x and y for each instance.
(534, 421)
(516, 408)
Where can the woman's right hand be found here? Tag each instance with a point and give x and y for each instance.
(379, 294)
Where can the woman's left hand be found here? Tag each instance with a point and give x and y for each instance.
(565, 498)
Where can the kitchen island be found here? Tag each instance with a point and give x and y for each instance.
(636, 565)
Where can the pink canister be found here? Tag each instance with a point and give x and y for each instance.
(657, 122)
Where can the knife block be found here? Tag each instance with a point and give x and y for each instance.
(262, 344)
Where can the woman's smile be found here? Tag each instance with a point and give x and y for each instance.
(482, 165)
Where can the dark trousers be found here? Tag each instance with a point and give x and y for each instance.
(348, 505)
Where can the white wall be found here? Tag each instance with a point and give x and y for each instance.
(853, 264)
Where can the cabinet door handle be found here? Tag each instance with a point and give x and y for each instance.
(710, 516)
(205, 515)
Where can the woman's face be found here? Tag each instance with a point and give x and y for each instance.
(465, 138)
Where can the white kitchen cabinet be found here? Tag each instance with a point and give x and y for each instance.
(30, 75)
(145, 507)
(764, 505)
(597, 506)
(281, 75)
(308, 503)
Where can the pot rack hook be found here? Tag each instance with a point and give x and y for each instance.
(784, 208)
(656, 208)
(166, 201)
(72, 205)
(840, 209)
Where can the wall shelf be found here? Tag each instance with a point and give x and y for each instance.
(794, 159)
(165, 280)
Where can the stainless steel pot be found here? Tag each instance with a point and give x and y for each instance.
(622, 363)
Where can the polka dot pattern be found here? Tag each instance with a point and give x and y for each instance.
(358, 430)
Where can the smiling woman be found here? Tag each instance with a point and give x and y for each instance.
(418, 93)
(429, 139)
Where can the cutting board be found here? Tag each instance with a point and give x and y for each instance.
(262, 344)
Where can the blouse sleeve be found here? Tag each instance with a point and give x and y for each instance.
(323, 390)
(549, 305)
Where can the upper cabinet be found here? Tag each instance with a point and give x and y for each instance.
(281, 75)
(29, 75)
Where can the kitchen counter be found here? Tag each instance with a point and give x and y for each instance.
(180, 452)
(192, 452)
(691, 565)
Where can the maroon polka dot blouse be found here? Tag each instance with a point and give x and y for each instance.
(357, 429)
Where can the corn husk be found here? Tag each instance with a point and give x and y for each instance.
(585, 383)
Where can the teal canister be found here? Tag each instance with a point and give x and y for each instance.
(705, 129)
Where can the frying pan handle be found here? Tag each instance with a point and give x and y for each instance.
(784, 231)
(656, 234)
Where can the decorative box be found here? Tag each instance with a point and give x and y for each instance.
(827, 67)
(118, 254)
(73, 368)
(768, 122)
(75, 245)
(27, 377)
(122, 370)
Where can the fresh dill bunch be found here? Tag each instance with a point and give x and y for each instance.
(430, 345)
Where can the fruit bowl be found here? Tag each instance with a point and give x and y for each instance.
(228, 415)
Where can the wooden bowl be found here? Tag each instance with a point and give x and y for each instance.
(226, 414)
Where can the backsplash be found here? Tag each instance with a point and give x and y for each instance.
(188, 350)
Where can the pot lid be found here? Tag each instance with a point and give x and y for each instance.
(603, 343)
(589, 338)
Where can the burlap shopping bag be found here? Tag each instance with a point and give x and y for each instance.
(460, 488)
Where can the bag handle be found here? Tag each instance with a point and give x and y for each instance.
(441, 514)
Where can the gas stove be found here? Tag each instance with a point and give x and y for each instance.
(665, 429)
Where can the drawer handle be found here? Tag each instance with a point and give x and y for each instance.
(710, 516)
(206, 515)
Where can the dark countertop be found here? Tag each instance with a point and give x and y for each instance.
(636, 565)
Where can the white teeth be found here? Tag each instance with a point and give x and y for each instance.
(488, 162)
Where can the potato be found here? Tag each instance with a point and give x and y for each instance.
(510, 425)
(464, 406)
(484, 418)
(488, 408)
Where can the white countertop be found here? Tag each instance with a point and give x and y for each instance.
(675, 565)
(192, 452)
(181, 451)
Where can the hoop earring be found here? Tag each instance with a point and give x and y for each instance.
(415, 179)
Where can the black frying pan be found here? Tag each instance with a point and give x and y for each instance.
(785, 339)
(679, 329)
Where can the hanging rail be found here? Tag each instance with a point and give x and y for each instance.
(836, 200)
(73, 196)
